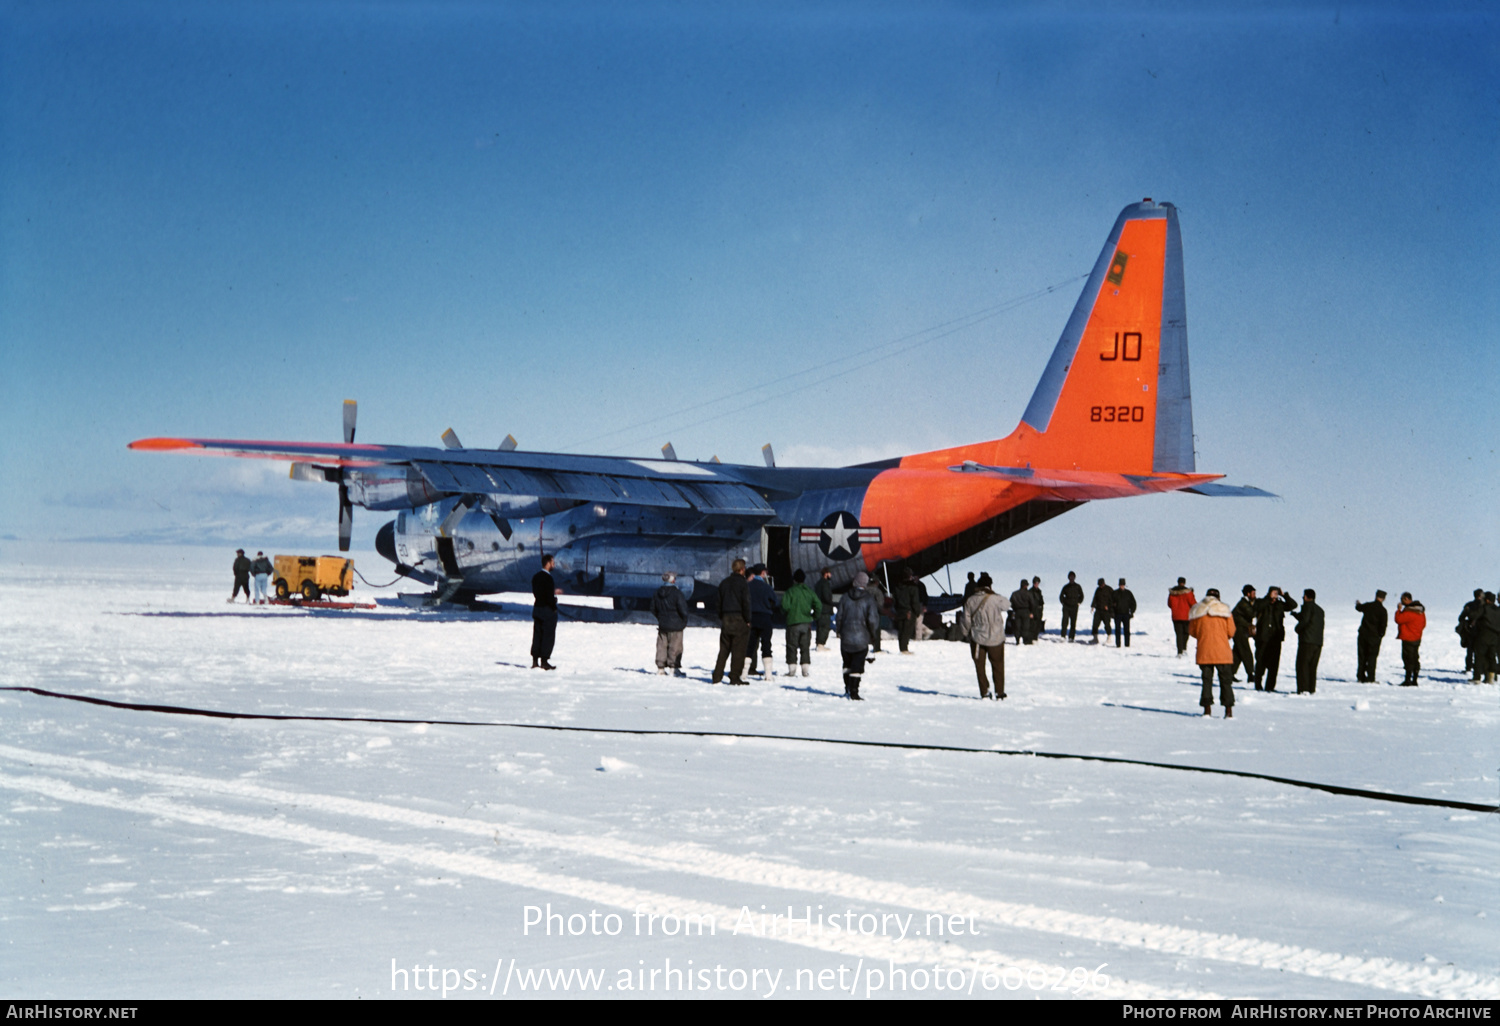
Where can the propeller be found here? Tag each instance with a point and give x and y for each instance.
(346, 508)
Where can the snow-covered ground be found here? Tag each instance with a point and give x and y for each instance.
(152, 855)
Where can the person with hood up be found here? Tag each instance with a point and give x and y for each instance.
(671, 612)
(984, 612)
(801, 607)
(1212, 625)
(1411, 621)
(1181, 600)
(858, 626)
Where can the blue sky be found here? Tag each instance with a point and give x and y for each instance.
(223, 219)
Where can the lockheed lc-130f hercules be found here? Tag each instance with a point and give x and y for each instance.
(1111, 417)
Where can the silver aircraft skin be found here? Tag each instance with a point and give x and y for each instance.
(1110, 418)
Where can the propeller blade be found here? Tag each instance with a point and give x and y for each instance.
(351, 411)
(450, 439)
(346, 518)
(768, 455)
(669, 452)
(509, 445)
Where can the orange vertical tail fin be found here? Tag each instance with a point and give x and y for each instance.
(1115, 395)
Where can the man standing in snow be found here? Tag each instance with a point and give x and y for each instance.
(544, 592)
(1124, 603)
(1411, 621)
(241, 576)
(762, 620)
(1467, 617)
(1071, 598)
(1104, 608)
(1309, 642)
(1372, 625)
(1037, 602)
(906, 609)
(1181, 600)
(734, 623)
(984, 612)
(1212, 625)
(671, 612)
(261, 569)
(1486, 639)
(1020, 611)
(1270, 631)
(800, 606)
(824, 590)
(859, 625)
(1244, 630)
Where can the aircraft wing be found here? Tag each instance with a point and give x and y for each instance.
(717, 488)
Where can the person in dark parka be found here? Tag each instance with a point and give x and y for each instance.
(1037, 602)
(1372, 625)
(1270, 632)
(859, 626)
(734, 624)
(763, 606)
(906, 609)
(824, 620)
(1124, 609)
(671, 612)
(1465, 628)
(1071, 598)
(1244, 630)
(1020, 609)
(1309, 642)
(241, 576)
(544, 594)
(1103, 607)
(1486, 644)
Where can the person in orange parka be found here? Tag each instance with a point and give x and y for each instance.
(1181, 601)
(1212, 624)
(1411, 620)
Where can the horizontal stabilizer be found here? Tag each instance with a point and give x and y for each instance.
(1224, 491)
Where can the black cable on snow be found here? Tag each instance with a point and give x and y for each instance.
(362, 577)
(220, 714)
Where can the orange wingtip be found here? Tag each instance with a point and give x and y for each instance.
(162, 444)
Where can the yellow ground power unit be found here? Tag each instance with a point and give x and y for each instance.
(313, 576)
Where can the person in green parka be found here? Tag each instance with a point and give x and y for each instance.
(801, 606)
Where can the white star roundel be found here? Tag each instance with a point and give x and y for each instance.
(839, 536)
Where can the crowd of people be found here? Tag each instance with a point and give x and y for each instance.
(1246, 638)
